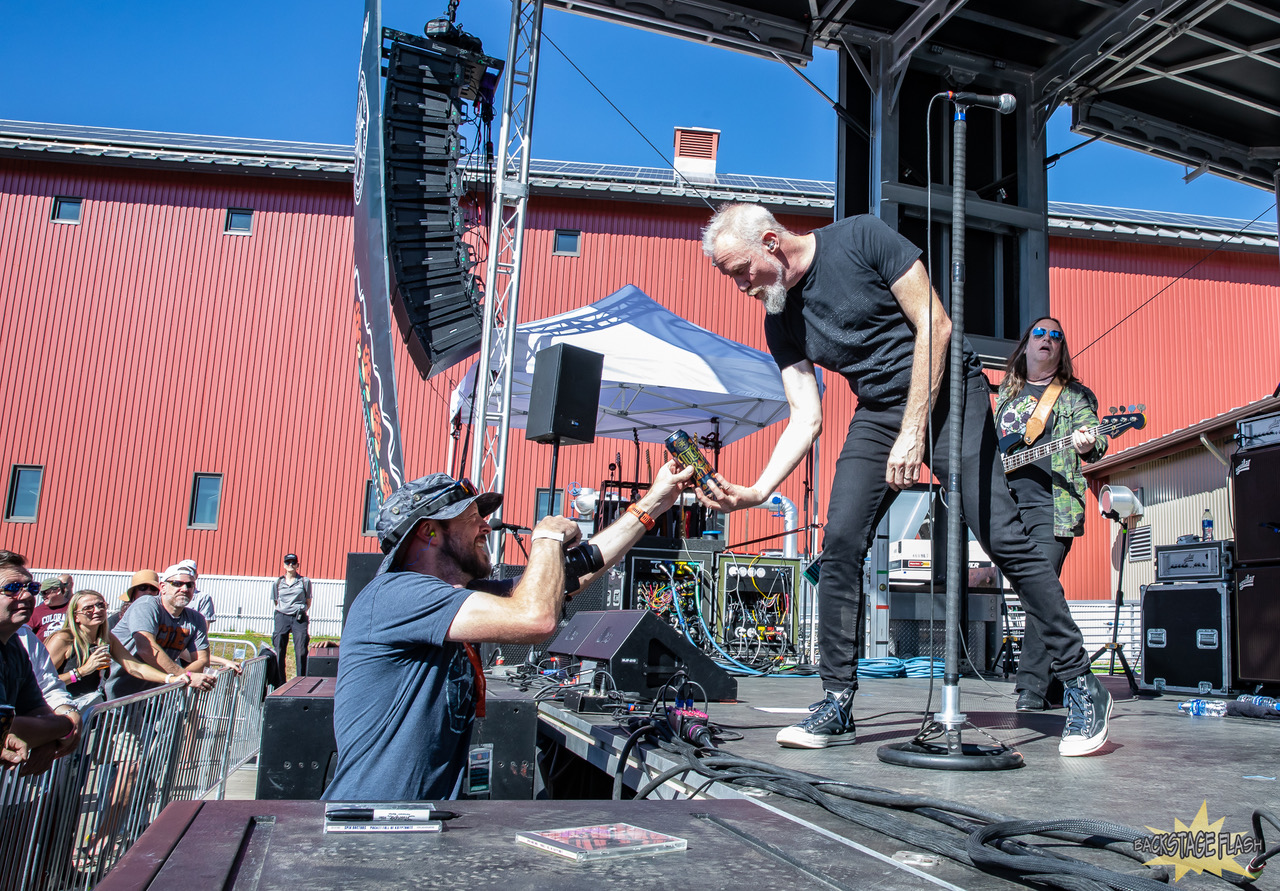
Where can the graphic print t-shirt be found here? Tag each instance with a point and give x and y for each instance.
(1032, 485)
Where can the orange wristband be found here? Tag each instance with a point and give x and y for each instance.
(644, 518)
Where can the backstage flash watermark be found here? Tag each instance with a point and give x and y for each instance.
(1198, 847)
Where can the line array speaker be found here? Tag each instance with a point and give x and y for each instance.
(564, 395)
(434, 295)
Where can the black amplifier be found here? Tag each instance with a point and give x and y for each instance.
(299, 754)
(1197, 561)
(1185, 638)
(1257, 623)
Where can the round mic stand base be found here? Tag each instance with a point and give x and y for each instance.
(954, 755)
(941, 748)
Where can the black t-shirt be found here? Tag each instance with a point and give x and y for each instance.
(1032, 485)
(18, 685)
(842, 316)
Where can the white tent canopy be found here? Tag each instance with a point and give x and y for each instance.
(661, 372)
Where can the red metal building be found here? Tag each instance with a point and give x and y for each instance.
(192, 329)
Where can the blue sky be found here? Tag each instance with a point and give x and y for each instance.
(285, 69)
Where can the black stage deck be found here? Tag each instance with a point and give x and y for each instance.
(1158, 767)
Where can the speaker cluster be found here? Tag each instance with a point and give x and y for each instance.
(434, 294)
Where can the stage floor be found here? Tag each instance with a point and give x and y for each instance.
(1157, 770)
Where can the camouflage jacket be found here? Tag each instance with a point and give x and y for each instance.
(1076, 407)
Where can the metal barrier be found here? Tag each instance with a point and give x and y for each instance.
(232, 648)
(65, 829)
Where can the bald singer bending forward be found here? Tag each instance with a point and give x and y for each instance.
(854, 298)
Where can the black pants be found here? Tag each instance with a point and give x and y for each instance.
(860, 497)
(286, 624)
(1034, 670)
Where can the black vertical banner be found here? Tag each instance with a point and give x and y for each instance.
(375, 357)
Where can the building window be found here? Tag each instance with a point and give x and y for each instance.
(239, 221)
(22, 503)
(541, 510)
(206, 495)
(568, 243)
(66, 210)
(370, 526)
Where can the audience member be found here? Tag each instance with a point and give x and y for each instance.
(291, 596)
(55, 692)
(34, 734)
(51, 611)
(143, 583)
(201, 602)
(158, 629)
(84, 649)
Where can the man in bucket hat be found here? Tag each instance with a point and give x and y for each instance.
(409, 681)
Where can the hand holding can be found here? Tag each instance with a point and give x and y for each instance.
(686, 451)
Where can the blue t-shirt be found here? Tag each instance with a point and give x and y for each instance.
(405, 699)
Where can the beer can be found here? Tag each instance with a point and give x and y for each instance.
(685, 450)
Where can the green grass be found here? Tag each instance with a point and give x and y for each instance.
(261, 640)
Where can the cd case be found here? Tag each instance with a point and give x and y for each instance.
(604, 840)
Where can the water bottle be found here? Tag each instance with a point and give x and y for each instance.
(1206, 525)
(1267, 702)
(1203, 707)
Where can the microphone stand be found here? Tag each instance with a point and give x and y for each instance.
(953, 753)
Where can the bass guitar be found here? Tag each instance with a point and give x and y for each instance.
(1112, 425)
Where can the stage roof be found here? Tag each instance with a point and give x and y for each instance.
(1193, 81)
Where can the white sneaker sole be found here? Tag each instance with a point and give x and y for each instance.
(793, 738)
(1076, 746)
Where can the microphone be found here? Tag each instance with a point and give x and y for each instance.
(497, 526)
(1004, 103)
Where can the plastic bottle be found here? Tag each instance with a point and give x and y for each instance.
(1206, 525)
(1203, 707)
(1266, 702)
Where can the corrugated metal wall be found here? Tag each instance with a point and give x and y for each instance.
(1176, 489)
(145, 345)
(1188, 348)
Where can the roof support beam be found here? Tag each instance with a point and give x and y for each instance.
(1125, 29)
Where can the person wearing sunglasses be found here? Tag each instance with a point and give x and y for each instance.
(51, 611)
(410, 681)
(291, 597)
(157, 630)
(34, 733)
(1050, 492)
(853, 297)
(84, 649)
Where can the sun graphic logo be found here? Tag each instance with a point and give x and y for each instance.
(1200, 847)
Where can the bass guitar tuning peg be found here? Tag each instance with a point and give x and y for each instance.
(1112, 410)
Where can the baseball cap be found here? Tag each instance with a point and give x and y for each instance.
(434, 497)
(50, 584)
(176, 570)
(190, 566)
(290, 558)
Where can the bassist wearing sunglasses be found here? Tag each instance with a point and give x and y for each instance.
(1040, 401)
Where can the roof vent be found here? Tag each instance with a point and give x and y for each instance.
(696, 152)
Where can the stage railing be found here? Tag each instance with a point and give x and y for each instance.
(66, 828)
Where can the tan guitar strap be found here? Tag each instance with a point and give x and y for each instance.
(1037, 421)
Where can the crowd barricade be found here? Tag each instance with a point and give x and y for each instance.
(65, 829)
(232, 648)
